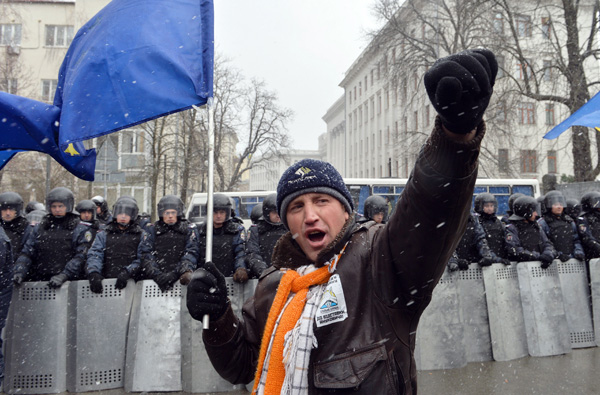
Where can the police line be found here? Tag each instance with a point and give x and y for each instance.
(139, 338)
(142, 339)
(508, 312)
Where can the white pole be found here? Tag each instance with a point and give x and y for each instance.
(210, 187)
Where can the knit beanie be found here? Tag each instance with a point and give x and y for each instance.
(311, 176)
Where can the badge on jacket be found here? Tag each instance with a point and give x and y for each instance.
(332, 307)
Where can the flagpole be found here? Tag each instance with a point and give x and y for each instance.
(210, 190)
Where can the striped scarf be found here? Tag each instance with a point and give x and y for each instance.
(283, 318)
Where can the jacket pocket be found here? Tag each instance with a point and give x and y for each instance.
(350, 369)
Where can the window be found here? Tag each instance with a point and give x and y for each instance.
(404, 88)
(10, 34)
(48, 89)
(372, 107)
(528, 161)
(500, 60)
(130, 142)
(498, 23)
(523, 25)
(378, 70)
(552, 168)
(547, 70)
(371, 77)
(503, 160)
(416, 120)
(387, 98)
(550, 114)
(523, 69)
(360, 89)
(360, 115)
(9, 85)
(526, 113)
(378, 104)
(365, 84)
(546, 27)
(59, 35)
(426, 117)
(501, 111)
(355, 93)
(416, 80)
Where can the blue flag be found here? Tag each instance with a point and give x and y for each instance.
(135, 61)
(30, 125)
(587, 115)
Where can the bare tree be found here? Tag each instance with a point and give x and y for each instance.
(553, 69)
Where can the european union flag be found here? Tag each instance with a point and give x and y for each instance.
(30, 125)
(134, 61)
(587, 115)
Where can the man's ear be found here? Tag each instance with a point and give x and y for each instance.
(346, 215)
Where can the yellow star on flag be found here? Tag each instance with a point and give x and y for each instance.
(71, 150)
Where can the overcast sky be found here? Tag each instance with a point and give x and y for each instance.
(300, 48)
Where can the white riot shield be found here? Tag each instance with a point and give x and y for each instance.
(595, 288)
(576, 297)
(543, 309)
(507, 326)
(36, 340)
(97, 335)
(197, 373)
(471, 293)
(440, 342)
(153, 361)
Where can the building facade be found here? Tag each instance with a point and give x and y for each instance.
(265, 176)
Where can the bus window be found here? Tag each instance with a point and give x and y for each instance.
(500, 190)
(524, 189)
(479, 190)
(359, 194)
(248, 203)
(502, 204)
(236, 205)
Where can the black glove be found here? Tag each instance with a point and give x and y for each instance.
(463, 264)
(505, 261)
(207, 293)
(186, 277)
(580, 256)
(122, 279)
(452, 266)
(546, 260)
(18, 279)
(563, 257)
(486, 261)
(240, 275)
(95, 282)
(58, 280)
(531, 256)
(460, 86)
(166, 280)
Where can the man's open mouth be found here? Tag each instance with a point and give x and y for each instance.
(316, 236)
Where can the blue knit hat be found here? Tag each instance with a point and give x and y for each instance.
(311, 175)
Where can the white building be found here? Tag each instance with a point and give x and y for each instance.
(265, 176)
(387, 114)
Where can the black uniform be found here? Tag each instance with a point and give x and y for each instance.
(17, 230)
(262, 238)
(473, 245)
(562, 232)
(56, 245)
(228, 250)
(525, 241)
(494, 233)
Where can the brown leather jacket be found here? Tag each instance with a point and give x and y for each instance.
(387, 272)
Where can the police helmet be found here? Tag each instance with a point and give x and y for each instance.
(33, 205)
(484, 198)
(524, 207)
(60, 195)
(376, 204)
(256, 213)
(222, 202)
(511, 201)
(590, 201)
(99, 201)
(541, 207)
(573, 208)
(170, 202)
(126, 205)
(86, 205)
(11, 200)
(552, 198)
(35, 217)
(269, 204)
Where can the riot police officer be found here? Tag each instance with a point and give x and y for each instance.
(35, 217)
(376, 209)
(169, 248)
(15, 225)
(560, 228)
(228, 250)
(33, 205)
(6, 273)
(102, 213)
(87, 215)
(511, 202)
(256, 213)
(114, 253)
(573, 208)
(486, 206)
(588, 224)
(263, 236)
(525, 240)
(473, 246)
(55, 250)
